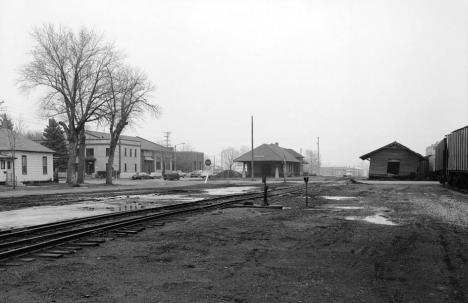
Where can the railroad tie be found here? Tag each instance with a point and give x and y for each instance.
(127, 231)
(10, 264)
(48, 255)
(57, 251)
(71, 247)
(26, 259)
(98, 240)
(85, 244)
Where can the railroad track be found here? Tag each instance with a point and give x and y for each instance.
(64, 237)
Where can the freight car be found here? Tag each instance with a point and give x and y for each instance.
(451, 162)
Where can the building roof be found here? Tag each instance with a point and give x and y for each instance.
(393, 145)
(270, 153)
(106, 136)
(144, 144)
(22, 143)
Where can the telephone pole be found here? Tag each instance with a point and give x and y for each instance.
(318, 156)
(167, 135)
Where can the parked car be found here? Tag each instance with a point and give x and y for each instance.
(181, 173)
(155, 175)
(206, 173)
(140, 176)
(171, 175)
(195, 173)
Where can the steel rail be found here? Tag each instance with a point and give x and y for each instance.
(8, 234)
(70, 235)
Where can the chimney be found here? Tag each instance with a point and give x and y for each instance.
(276, 143)
(50, 122)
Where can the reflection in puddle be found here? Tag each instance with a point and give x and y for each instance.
(337, 198)
(347, 207)
(377, 219)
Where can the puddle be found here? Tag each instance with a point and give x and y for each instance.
(48, 214)
(346, 207)
(98, 206)
(377, 219)
(229, 190)
(338, 198)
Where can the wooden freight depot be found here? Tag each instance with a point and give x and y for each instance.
(393, 161)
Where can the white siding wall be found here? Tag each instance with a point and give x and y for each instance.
(34, 167)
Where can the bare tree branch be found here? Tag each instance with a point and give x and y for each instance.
(72, 66)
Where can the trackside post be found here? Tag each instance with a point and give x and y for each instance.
(306, 180)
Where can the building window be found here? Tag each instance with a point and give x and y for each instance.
(2, 164)
(89, 152)
(125, 154)
(135, 153)
(125, 167)
(44, 165)
(8, 165)
(130, 152)
(107, 152)
(135, 167)
(24, 164)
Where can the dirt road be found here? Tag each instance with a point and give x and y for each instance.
(327, 252)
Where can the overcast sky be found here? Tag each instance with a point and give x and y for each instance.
(357, 74)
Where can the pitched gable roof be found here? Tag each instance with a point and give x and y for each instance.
(21, 144)
(393, 145)
(268, 152)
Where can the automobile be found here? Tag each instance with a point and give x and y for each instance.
(171, 175)
(181, 173)
(140, 176)
(195, 173)
(155, 175)
(206, 173)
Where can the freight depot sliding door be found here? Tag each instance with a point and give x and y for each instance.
(393, 166)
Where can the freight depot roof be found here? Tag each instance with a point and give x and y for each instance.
(21, 143)
(270, 153)
(393, 145)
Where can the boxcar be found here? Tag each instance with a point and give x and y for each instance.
(451, 163)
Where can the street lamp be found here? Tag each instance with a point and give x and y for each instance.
(175, 154)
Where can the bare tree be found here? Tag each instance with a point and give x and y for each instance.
(34, 135)
(12, 136)
(228, 156)
(244, 149)
(312, 157)
(129, 100)
(72, 67)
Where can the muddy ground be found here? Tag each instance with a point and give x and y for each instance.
(322, 253)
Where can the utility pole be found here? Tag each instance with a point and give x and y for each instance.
(252, 164)
(318, 156)
(167, 135)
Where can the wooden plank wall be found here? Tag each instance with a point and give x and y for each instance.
(379, 161)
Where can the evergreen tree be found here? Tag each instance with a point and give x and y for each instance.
(55, 140)
(6, 121)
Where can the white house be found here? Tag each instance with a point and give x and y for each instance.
(33, 162)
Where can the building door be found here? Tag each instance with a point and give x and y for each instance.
(393, 167)
(89, 167)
